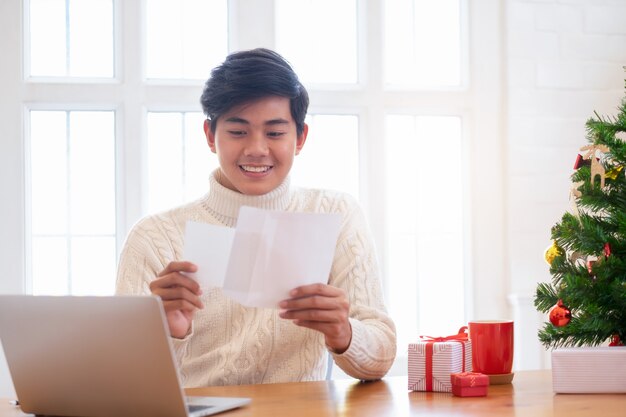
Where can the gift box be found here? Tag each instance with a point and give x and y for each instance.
(433, 359)
(589, 370)
(469, 384)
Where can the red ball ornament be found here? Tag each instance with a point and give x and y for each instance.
(560, 315)
(616, 341)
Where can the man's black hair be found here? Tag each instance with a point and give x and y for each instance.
(250, 75)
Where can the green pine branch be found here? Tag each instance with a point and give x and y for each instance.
(591, 285)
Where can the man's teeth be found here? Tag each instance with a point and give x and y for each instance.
(255, 169)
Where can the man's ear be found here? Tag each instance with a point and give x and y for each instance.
(210, 136)
(302, 138)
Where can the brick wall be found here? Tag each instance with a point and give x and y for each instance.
(564, 61)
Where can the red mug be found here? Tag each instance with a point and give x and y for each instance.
(492, 346)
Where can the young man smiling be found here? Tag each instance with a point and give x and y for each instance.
(255, 107)
(255, 143)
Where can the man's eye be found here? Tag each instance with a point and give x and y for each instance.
(275, 134)
(237, 132)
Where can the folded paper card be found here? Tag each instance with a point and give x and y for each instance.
(268, 254)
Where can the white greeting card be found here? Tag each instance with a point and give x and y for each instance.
(268, 254)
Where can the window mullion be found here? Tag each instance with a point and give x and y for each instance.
(372, 129)
(130, 114)
(251, 24)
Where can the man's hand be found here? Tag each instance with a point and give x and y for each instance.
(180, 295)
(323, 308)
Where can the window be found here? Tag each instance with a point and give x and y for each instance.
(325, 55)
(333, 142)
(398, 118)
(72, 202)
(185, 38)
(70, 38)
(416, 60)
(179, 159)
(424, 221)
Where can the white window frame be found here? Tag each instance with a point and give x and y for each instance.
(251, 25)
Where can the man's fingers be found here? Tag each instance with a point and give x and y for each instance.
(316, 296)
(179, 304)
(314, 302)
(178, 266)
(321, 296)
(175, 280)
(313, 315)
(323, 308)
(172, 294)
(316, 289)
(337, 335)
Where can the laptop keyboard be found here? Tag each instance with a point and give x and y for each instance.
(194, 408)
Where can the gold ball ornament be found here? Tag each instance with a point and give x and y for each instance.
(551, 252)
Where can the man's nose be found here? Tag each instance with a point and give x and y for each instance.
(256, 145)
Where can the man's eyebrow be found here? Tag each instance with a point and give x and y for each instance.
(236, 119)
(278, 121)
(271, 122)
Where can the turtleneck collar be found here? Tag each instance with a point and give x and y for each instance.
(224, 203)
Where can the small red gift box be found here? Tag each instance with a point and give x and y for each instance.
(469, 384)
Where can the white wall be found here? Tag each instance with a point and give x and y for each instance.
(12, 197)
(564, 60)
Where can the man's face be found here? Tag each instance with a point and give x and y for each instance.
(255, 143)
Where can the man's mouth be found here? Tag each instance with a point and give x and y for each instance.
(255, 169)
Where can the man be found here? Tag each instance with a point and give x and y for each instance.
(255, 107)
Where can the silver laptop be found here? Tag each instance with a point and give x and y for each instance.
(96, 356)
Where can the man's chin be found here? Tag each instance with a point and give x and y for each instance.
(256, 188)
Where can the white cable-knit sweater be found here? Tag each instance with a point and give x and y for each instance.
(232, 344)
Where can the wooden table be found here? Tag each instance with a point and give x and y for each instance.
(530, 395)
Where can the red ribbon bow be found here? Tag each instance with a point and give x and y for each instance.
(460, 337)
(472, 376)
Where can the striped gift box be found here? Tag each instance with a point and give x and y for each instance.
(589, 370)
(447, 358)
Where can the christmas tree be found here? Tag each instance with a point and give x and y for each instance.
(586, 298)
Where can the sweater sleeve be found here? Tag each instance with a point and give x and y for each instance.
(150, 246)
(355, 268)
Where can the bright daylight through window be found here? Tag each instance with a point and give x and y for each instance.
(96, 167)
